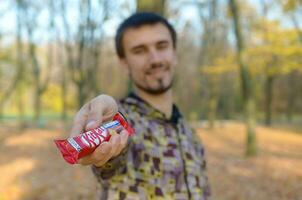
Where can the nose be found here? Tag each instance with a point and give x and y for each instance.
(154, 56)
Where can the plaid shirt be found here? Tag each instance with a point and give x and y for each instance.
(163, 159)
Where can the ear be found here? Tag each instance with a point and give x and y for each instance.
(124, 65)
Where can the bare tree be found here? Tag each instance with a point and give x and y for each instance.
(210, 38)
(246, 82)
(292, 82)
(292, 8)
(269, 78)
(83, 56)
(20, 71)
(213, 44)
(40, 85)
(63, 80)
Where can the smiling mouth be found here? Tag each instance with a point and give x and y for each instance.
(156, 70)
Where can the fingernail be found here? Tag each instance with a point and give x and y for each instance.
(90, 124)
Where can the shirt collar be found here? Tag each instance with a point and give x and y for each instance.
(145, 108)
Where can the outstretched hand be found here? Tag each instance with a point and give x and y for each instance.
(94, 113)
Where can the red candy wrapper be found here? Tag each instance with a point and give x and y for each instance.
(81, 145)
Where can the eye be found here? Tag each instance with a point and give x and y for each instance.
(162, 45)
(138, 50)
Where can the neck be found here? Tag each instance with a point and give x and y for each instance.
(162, 102)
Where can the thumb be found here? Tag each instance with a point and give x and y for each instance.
(101, 109)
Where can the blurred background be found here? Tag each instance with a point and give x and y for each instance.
(238, 82)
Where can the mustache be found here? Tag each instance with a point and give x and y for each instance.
(156, 66)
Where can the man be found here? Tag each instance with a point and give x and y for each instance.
(163, 159)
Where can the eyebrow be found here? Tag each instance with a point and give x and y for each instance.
(137, 47)
(163, 42)
(143, 46)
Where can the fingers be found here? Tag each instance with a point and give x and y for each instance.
(91, 115)
(115, 141)
(101, 109)
(79, 121)
(106, 150)
(100, 155)
(124, 139)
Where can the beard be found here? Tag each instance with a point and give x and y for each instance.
(155, 91)
(162, 88)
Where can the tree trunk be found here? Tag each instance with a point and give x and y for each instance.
(83, 68)
(212, 110)
(157, 6)
(251, 148)
(269, 79)
(19, 76)
(207, 55)
(63, 81)
(36, 74)
(268, 99)
(20, 60)
(37, 107)
(81, 95)
(291, 96)
(212, 54)
(21, 111)
(246, 82)
(63, 94)
(40, 86)
(1, 113)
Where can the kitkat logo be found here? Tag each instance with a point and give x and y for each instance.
(94, 137)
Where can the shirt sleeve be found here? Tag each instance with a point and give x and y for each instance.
(199, 147)
(114, 165)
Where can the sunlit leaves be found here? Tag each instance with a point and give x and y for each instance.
(289, 5)
(276, 50)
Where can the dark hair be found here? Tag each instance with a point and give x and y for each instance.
(136, 20)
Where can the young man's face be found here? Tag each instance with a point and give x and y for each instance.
(150, 57)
